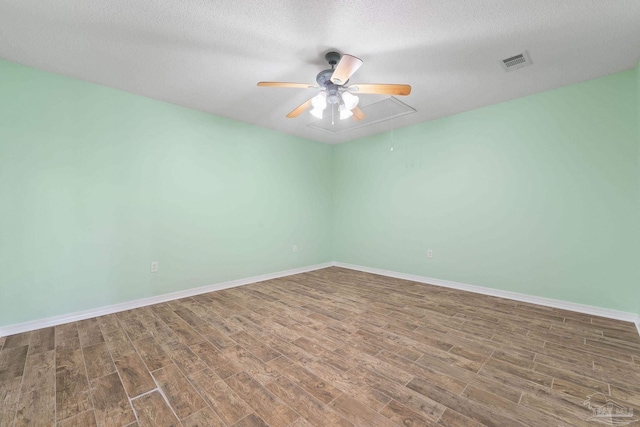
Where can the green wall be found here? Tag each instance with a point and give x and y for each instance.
(96, 183)
(638, 135)
(538, 195)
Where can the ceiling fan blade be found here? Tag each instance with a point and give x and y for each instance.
(299, 110)
(348, 65)
(357, 114)
(286, 84)
(382, 89)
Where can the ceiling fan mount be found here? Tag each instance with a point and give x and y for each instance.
(334, 90)
(333, 58)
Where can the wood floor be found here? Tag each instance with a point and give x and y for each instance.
(330, 347)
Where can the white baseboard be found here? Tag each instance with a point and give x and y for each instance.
(548, 302)
(101, 311)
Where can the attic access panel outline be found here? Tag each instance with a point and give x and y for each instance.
(376, 112)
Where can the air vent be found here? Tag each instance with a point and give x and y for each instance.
(375, 112)
(516, 62)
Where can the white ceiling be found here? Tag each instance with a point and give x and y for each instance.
(209, 55)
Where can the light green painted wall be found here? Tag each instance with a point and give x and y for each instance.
(537, 195)
(638, 135)
(96, 183)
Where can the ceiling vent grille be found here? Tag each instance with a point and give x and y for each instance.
(516, 62)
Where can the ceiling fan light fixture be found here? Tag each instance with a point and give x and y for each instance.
(319, 101)
(317, 112)
(350, 100)
(345, 113)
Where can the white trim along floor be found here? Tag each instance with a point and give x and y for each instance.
(86, 314)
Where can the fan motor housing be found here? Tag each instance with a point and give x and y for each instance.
(324, 77)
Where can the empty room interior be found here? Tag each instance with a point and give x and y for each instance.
(293, 214)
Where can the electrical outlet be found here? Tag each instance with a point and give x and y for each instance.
(295, 248)
(154, 266)
(429, 253)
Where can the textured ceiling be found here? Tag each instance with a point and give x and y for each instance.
(209, 55)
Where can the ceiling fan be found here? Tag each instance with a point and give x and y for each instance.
(334, 91)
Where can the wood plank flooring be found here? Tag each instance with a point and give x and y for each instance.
(332, 347)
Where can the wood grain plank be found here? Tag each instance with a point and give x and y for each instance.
(152, 353)
(85, 419)
(403, 415)
(375, 363)
(486, 415)
(111, 403)
(537, 377)
(264, 403)
(153, 411)
(189, 316)
(513, 385)
(118, 343)
(36, 408)
(451, 418)
(308, 381)
(108, 322)
(216, 337)
(42, 340)
(184, 358)
(9, 398)
(220, 397)
(72, 385)
(243, 358)
(507, 407)
(135, 329)
(98, 361)
(70, 344)
(423, 405)
(455, 382)
(215, 360)
(574, 377)
(39, 372)
(185, 333)
(89, 332)
(251, 420)
(257, 347)
(203, 418)
(17, 340)
(135, 376)
(358, 413)
(314, 411)
(545, 405)
(182, 397)
(12, 361)
(301, 422)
